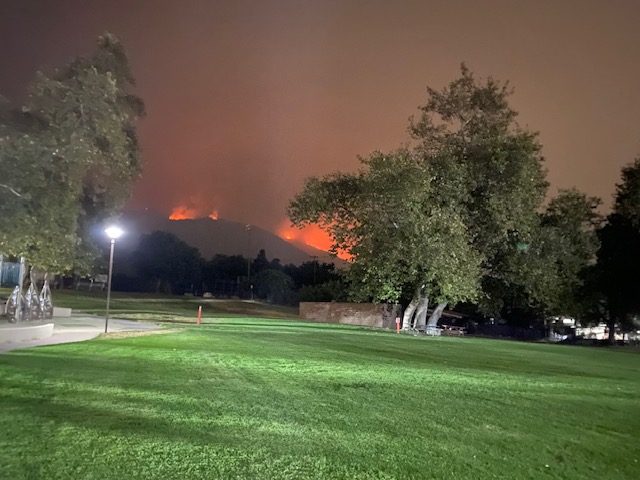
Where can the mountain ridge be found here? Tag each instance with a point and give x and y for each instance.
(219, 236)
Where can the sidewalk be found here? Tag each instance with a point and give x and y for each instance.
(79, 328)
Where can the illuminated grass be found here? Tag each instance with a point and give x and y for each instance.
(141, 306)
(247, 398)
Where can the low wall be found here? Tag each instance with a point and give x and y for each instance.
(61, 312)
(365, 314)
(57, 311)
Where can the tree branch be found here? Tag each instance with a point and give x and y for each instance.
(15, 192)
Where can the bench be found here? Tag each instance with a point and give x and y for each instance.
(99, 281)
(452, 331)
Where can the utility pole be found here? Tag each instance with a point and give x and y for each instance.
(315, 267)
(23, 272)
(248, 228)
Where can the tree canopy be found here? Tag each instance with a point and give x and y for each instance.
(70, 155)
(542, 275)
(447, 217)
(383, 218)
(611, 293)
(169, 263)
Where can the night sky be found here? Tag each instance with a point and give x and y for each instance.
(246, 99)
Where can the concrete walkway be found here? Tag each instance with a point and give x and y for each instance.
(79, 328)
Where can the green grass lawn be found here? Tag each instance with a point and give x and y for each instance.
(142, 306)
(260, 399)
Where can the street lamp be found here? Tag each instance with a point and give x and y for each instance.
(113, 232)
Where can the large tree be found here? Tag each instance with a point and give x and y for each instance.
(398, 238)
(37, 217)
(542, 275)
(612, 290)
(70, 154)
(433, 220)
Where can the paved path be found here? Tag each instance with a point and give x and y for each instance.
(78, 328)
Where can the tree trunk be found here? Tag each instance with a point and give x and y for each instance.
(435, 316)
(421, 312)
(411, 308)
(611, 324)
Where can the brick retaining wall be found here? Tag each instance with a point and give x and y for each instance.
(365, 314)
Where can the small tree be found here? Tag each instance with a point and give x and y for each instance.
(260, 263)
(274, 286)
(168, 262)
(225, 267)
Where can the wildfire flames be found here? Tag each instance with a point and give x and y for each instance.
(311, 235)
(183, 213)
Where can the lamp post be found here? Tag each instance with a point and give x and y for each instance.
(113, 232)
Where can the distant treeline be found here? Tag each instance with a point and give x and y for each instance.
(163, 263)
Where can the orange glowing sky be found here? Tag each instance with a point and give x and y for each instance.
(245, 99)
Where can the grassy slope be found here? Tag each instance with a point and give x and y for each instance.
(248, 398)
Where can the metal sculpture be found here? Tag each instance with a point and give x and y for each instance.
(46, 303)
(15, 306)
(32, 305)
(32, 302)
